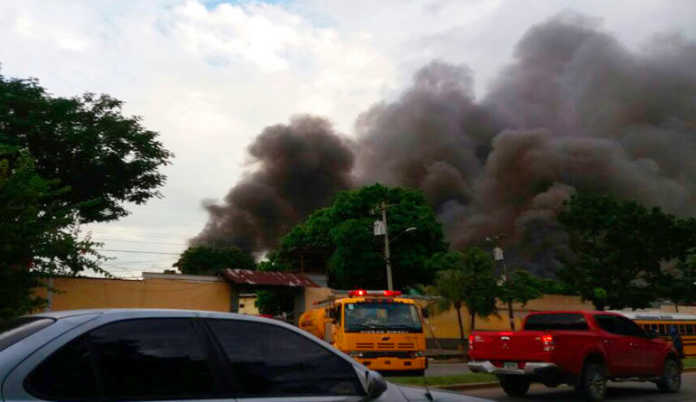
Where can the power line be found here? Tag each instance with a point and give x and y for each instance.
(141, 241)
(138, 252)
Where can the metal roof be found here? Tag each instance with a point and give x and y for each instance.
(267, 278)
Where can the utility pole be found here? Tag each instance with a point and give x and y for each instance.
(382, 228)
(387, 253)
(498, 254)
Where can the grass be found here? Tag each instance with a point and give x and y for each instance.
(690, 362)
(467, 378)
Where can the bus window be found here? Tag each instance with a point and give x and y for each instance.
(689, 329)
(682, 329)
(662, 330)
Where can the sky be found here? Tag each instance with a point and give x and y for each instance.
(210, 75)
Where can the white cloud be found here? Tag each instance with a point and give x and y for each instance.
(210, 78)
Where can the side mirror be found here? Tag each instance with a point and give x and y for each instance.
(376, 385)
(328, 332)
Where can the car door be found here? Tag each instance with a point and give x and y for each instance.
(163, 359)
(617, 346)
(274, 363)
(645, 352)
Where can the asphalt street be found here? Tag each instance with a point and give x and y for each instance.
(628, 391)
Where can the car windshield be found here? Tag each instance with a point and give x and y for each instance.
(13, 331)
(385, 316)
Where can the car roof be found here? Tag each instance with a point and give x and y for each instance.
(141, 312)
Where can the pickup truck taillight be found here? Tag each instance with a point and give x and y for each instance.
(471, 342)
(547, 341)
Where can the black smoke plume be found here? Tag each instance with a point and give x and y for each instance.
(575, 110)
(301, 166)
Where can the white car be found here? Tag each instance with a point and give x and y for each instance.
(167, 355)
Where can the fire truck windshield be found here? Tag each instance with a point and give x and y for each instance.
(368, 317)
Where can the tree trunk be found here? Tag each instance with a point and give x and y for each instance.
(459, 318)
(511, 316)
(473, 321)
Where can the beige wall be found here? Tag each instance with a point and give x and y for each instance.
(247, 304)
(155, 291)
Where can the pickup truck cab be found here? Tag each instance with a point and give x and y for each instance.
(580, 348)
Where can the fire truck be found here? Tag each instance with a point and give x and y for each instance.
(380, 329)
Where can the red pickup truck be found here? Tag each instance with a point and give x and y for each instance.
(580, 348)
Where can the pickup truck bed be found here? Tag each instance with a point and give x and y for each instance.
(580, 348)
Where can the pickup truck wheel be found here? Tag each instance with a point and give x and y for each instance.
(670, 381)
(594, 381)
(514, 385)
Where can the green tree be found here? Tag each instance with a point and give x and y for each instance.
(204, 260)
(464, 279)
(520, 287)
(39, 237)
(678, 284)
(619, 248)
(342, 237)
(102, 158)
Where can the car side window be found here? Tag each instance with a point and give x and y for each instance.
(619, 325)
(630, 328)
(608, 323)
(271, 361)
(141, 359)
(67, 374)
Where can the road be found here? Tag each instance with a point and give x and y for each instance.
(629, 391)
(442, 369)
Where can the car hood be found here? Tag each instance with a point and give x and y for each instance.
(417, 394)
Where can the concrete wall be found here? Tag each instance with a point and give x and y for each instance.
(154, 291)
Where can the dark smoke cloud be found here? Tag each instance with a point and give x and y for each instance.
(300, 167)
(575, 110)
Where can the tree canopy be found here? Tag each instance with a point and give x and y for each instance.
(204, 260)
(620, 250)
(340, 238)
(39, 234)
(465, 279)
(63, 162)
(102, 159)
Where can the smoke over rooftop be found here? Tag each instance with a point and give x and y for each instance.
(575, 110)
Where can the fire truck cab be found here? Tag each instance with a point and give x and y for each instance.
(380, 329)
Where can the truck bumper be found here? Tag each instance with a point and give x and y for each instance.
(535, 369)
(394, 363)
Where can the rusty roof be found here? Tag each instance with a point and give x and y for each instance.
(267, 278)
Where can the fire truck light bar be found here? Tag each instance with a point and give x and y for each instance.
(363, 292)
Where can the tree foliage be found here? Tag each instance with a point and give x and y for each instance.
(64, 161)
(620, 248)
(342, 236)
(521, 287)
(204, 260)
(464, 279)
(101, 158)
(39, 237)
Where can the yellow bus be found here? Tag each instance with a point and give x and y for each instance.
(660, 323)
